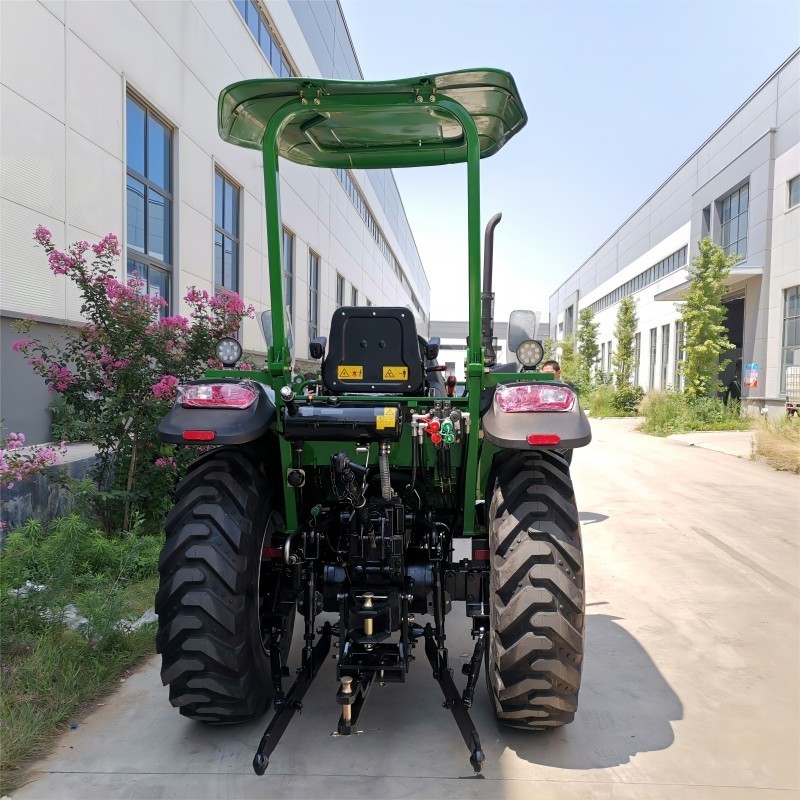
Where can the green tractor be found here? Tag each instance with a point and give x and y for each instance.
(341, 497)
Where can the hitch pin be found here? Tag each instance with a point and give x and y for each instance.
(347, 690)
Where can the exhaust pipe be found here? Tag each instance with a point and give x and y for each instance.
(487, 295)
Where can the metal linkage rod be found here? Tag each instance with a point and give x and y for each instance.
(452, 699)
(279, 723)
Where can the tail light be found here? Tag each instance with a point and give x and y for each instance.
(512, 398)
(218, 395)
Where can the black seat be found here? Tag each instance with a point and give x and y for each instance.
(375, 350)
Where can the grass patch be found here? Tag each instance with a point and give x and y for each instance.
(49, 673)
(666, 413)
(778, 442)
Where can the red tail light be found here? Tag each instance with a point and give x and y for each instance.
(544, 438)
(512, 398)
(199, 436)
(218, 395)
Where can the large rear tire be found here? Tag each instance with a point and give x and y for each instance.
(215, 592)
(536, 636)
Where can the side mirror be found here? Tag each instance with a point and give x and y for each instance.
(266, 328)
(432, 348)
(316, 348)
(521, 328)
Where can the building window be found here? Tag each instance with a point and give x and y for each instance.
(653, 354)
(664, 355)
(794, 192)
(287, 255)
(569, 318)
(601, 364)
(679, 355)
(339, 290)
(267, 42)
(313, 295)
(226, 234)
(368, 302)
(353, 296)
(733, 219)
(608, 369)
(664, 267)
(637, 357)
(791, 336)
(149, 200)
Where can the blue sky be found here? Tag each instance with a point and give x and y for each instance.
(618, 92)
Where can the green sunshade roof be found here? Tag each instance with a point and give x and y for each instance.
(365, 124)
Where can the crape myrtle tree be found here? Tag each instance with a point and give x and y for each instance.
(703, 315)
(120, 372)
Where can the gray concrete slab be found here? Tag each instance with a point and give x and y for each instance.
(733, 443)
(690, 686)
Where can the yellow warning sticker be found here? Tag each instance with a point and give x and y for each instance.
(395, 373)
(350, 373)
(386, 420)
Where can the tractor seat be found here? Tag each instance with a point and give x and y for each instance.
(373, 350)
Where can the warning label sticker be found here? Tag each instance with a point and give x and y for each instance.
(395, 373)
(346, 373)
(386, 420)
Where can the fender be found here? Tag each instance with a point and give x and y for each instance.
(511, 430)
(229, 426)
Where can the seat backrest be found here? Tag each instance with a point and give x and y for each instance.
(373, 349)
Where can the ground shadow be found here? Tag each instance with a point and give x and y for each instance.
(626, 707)
(590, 518)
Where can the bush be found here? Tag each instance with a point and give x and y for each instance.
(778, 442)
(666, 413)
(626, 400)
(119, 373)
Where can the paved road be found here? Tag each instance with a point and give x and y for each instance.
(690, 686)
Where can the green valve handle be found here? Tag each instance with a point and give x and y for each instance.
(447, 428)
(449, 438)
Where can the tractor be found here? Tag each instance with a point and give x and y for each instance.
(339, 496)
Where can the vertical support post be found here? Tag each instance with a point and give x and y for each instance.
(475, 364)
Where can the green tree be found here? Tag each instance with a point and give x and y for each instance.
(567, 358)
(588, 348)
(549, 346)
(703, 314)
(625, 333)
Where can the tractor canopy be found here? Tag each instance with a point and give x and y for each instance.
(338, 126)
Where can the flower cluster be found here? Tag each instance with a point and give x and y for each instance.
(166, 388)
(20, 463)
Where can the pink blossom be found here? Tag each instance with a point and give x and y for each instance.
(166, 388)
(42, 235)
(60, 263)
(22, 344)
(108, 245)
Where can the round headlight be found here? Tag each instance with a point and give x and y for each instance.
(530, 353)
(229, 351)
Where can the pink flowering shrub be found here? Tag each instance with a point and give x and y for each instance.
(119, 373)
(21, 463)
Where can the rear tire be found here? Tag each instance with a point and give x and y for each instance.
(536, 636)
(214, 589)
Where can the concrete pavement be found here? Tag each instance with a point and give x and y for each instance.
(690, 682)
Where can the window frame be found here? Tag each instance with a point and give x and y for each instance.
(340, 289)
(732, 247)
(353, 295)
(225, 233)
(653, 356)
(313, 294)
(790, 184)
(664, 355)
(289, 274)
(144, 258)
(786, 347)
(637, 356)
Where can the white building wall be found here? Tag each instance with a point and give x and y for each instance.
(65, 71)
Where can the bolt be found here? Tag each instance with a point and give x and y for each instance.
(316, 101)
(420, 98)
